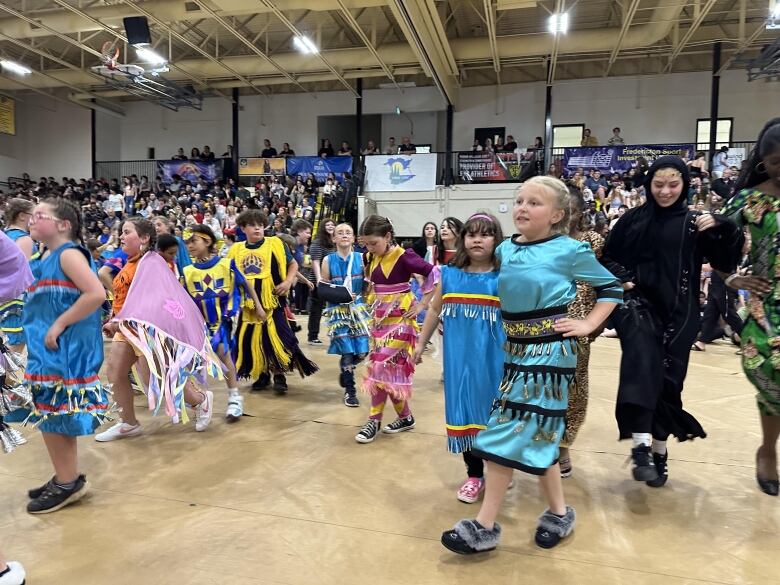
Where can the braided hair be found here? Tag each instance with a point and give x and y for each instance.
(66, 210)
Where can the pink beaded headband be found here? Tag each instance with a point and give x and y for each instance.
(480, 216)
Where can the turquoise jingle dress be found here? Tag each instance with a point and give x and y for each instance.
(473, 352)
(348, 325)
(537, 282)
(67, 395)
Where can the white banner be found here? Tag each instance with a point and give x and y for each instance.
(398, 172)
(735, 156)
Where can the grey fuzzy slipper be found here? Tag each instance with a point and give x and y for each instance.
(469, 537)
(552, 529)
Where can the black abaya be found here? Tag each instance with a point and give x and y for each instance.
(661, 250)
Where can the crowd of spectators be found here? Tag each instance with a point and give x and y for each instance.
(184, 203)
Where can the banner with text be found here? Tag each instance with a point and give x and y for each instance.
(190, 170)
(320, 167)
(400, 172)
(488, 167)
(619, 159)
(261, 166)
(7, 115)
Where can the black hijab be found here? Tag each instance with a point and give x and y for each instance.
(632, 237)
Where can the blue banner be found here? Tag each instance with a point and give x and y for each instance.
(619, 159)
(190, 170)
(320, 167)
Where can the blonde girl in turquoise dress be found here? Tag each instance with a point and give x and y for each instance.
(537, 281)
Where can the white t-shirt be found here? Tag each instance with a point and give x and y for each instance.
(117, 202)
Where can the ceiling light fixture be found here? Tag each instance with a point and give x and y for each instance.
(15, 67)
(305, 45)
(558, 23)
(149, 56)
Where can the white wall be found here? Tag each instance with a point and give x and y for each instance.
(410, 211)
(108, 137)
(147, 125)
(52, 139)
(664, 108)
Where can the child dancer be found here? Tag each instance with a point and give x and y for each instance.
(216, 286)
(138, 236)
(17, 215)
(394, 331)
(467, 302)
(348, 324)
(15, 277)
(65, 351)
(266, 347)
(539, 270)
(579, 229)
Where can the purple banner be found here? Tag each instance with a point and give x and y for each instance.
(619, 159)
(190, 170)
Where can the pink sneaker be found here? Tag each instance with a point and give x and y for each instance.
(470, 490)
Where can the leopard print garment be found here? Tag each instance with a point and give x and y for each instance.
(579, 309)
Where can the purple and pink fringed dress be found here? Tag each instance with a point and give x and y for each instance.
(393, 336)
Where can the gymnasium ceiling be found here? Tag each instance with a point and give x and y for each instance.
(217, 45)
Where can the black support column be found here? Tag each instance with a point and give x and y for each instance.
(448, 147)
(93, 138)
(714, 100)
(358, 147)
(548, 126)
(234, 170)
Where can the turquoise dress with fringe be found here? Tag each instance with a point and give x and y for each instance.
(473, 352)
(537, 282)
(348, 325)
(67, 395)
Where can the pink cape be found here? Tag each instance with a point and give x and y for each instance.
(161, 321)
(15, 275)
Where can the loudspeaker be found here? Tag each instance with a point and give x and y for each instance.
(150, 153)
(137, 30)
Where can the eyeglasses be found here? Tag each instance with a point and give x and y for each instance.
(38, 216)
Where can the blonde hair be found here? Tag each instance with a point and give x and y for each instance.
(562, 200)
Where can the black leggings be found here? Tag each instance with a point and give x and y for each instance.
(475, 467)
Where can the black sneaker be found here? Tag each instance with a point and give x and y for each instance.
(37, 492)
(280, 384)
(644, 469)
(315, 342)
(369, 432)
(262, 382)
(400, 425)
(661, 468)
(54, 497)
(351, 399)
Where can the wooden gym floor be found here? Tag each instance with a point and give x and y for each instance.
(286, 496)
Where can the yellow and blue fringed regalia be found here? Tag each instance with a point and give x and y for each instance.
(216, 286)
(266, 346)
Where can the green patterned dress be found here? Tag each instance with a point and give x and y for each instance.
(760, 213)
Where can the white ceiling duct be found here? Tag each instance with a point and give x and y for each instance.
(66, 22)
(465, 50)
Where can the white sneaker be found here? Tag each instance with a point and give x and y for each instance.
(235, 408)
(15, 574)
(203, 412)
(120, 430)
